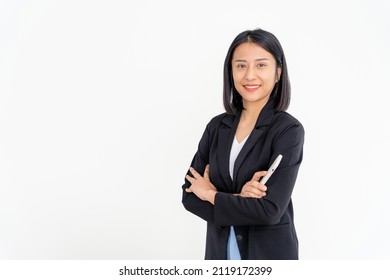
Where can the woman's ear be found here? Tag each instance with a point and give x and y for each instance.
(279, 73)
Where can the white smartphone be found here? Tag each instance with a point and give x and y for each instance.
(271, 169)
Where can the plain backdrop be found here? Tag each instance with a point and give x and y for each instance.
(102, 105)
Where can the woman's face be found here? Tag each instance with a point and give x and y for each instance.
(254, 73)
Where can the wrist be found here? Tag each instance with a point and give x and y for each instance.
(211, 196)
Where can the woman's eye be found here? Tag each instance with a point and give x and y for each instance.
(262, 65)
(240, 66)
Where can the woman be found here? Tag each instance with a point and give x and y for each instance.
(246, 219)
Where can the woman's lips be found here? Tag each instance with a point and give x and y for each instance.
(251, 88)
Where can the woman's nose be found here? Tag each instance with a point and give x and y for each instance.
(250, 74)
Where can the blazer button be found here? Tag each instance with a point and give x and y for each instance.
(239, 237)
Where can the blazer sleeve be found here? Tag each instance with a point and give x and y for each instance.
(237, 211)
(191, 202)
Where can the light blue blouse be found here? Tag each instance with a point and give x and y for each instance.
(233, 252)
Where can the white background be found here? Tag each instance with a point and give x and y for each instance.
(102, 104)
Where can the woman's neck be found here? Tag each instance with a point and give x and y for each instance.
(248, 120)
(251, 112)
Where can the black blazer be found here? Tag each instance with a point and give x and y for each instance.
(264, 227)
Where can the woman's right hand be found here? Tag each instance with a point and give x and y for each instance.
(253, 188)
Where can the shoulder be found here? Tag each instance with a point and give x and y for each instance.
(212, 129)
(223, 119)
(283, 121)
(286, 118)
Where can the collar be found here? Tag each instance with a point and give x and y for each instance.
(264, 118)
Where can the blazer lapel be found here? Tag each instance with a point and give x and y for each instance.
(225, 139)
(261, 126)
(254, 138)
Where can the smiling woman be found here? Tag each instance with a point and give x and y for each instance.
(254, 73)
(245, 218)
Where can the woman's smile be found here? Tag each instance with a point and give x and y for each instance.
(252, 87)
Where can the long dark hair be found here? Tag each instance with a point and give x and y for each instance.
(281, 92)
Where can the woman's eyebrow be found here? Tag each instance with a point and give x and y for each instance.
(258, 59)
(261, 59)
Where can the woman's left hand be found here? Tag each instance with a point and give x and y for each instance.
(201, 186)
(253, 188)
